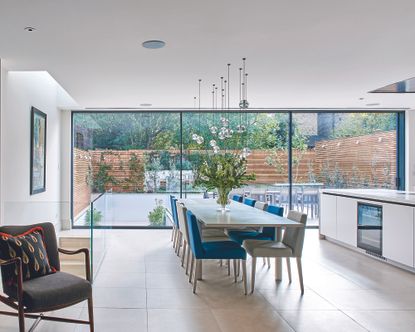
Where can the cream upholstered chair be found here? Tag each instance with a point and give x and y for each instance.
(184, 233)
(290, 246)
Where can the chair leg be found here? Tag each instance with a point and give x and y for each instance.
(269, 262)
(197, 267)
(187, 259)
(229, 266)
(174, 235)
(253, 274)
(289, 269)
(264, 260)
(179, 243)
(244, 276)
(184, 252)
(91, 314)
(239, 267)
(191, 269)
(300, 274)
(234, 269)
(21, 317)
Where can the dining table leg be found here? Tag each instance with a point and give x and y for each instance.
(278, 260)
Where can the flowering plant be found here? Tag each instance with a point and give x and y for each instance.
(223, 172)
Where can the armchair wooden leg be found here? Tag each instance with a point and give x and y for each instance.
(253, 274)
(197, 267)
(300, 274)
(244, 276)
(91, 314)
(289, 269)
(21, 318)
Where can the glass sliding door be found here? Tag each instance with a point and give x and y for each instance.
(136, 159)
(132, 159)
(341, 150)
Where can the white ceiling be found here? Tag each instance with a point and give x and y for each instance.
(309, 53)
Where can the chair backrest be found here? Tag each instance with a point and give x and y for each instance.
(195, 239)
(237, 198)
(182, 217)
(249, 201)
(278, 210)
(294, 236)
(49, 236)
(173, 201)
(261, 205)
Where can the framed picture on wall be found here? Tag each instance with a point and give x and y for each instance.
(37, 152)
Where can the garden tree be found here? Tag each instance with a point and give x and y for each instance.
(358, 124)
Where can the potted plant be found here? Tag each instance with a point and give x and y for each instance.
(157, 217)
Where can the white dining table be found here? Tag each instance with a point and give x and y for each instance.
(239, 215)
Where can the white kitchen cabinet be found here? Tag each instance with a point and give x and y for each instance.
(398, 233)
(347, 220)
(328, 218)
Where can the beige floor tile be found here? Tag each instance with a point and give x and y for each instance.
(385, 321)
(161, 320)
(120, 279)
(321, 321)
(293, 300)
(117, 320)
(173, 280)
(248, 320)
(174, 299)
(111, 297)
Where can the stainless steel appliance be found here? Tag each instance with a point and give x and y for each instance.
(369, 228)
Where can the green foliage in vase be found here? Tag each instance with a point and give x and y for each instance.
(223, 172)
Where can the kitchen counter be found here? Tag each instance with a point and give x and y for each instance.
(381, 195)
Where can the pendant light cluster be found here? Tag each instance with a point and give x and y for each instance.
(222, 130)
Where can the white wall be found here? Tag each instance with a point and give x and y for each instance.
(21, 91)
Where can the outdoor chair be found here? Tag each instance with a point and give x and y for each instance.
(57, 290)
(290, 246)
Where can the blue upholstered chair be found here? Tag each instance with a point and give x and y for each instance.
(237, 198)
(267, 233)
(211, 250)
(249, 201)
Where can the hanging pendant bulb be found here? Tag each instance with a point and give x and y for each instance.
(200, 140)
(216, 149)
(195, 136)
(213, 130)
(222, 135)
(212, 143)
(240, 129)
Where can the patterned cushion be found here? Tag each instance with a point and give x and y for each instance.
(30, 247)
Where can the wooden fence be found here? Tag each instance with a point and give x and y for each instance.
(368, 160)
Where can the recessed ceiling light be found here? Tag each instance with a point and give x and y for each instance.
(29, 29)
(146, 105)
(361, 98)
(154, 44)
(373, 104)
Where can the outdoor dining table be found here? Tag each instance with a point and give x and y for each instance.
(239, 216)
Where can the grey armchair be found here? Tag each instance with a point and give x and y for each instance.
(290, 246)
(51, 292)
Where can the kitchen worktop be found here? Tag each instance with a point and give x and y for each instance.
(387, 195)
